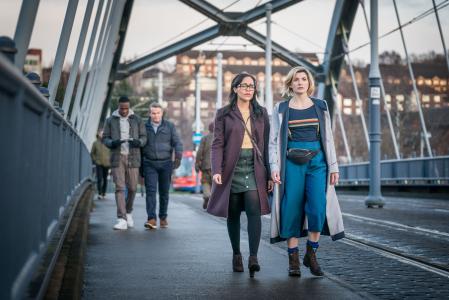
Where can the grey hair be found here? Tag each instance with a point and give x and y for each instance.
(156, 105)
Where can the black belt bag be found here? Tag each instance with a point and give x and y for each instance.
(301, 156)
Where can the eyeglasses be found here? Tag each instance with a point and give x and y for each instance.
(245, 86)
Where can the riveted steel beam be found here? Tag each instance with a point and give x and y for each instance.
(174, 49)
(344, 15)
(291, 58)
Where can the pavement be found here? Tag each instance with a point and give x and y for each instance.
(191, 259)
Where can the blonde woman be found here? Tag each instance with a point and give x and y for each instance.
(304, 168)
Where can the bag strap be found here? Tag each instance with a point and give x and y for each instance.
(259, 154)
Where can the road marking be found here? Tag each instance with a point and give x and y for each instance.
(391, 255)
(398, 225)
(426, 204)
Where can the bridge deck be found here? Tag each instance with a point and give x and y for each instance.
(190, 259)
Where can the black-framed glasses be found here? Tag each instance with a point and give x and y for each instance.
(245, 86)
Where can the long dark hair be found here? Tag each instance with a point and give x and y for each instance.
(256, 107)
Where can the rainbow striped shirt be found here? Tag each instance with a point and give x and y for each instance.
(303, 124)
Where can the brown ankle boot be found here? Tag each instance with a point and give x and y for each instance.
(237, 263)
(311, 262)
(253, 265)
(293, 264)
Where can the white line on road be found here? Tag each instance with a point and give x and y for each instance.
(423, 204)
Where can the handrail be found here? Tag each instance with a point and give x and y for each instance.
(43, 161)
(425, 170)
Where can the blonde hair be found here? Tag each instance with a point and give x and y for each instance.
(287, 90)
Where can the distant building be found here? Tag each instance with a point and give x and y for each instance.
(431, 77)
(181, 103)
(432, 80)
(33, 61)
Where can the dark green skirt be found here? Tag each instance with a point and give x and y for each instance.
(243, 179)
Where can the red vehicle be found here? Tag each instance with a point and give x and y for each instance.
(184, 178)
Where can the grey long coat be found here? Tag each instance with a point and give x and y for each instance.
(225, 152)
(277, 153)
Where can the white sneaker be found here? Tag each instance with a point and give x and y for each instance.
(129, 220)
(121, 224)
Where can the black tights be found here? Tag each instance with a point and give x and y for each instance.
(248, 201)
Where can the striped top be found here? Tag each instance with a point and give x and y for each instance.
(303, 125)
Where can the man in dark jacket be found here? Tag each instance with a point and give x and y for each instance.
(124, 133)
(158, 164)
(202, 163)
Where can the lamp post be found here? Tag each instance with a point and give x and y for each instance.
(374, 197)
(197, 134)
(160, 87)
(219, 102)
(268, 60)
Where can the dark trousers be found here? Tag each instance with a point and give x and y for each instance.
(157, 174)
(102, 179)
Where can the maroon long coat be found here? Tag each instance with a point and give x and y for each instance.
(225, 152)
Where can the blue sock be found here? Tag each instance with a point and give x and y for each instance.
(292, 250)
(314, 245)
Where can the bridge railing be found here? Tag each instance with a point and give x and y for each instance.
(423, 171)
(43, 162)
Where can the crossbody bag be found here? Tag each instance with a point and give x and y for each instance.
(259, 154)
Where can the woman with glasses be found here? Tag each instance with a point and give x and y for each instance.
(240, 169)
(304, 168)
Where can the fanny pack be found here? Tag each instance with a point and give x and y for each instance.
(301, 156)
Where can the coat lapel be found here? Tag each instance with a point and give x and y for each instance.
(320, 113)
(283, 110)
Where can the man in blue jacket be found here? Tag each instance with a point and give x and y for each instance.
(157, 163)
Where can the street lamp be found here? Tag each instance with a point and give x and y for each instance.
(375, 196)
(197, 134)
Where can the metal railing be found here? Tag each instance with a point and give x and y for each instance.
(43, 162)
(423, 171)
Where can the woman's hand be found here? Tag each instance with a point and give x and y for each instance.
(270, 186)
(275, 176)
(217, 178)
(334, 178)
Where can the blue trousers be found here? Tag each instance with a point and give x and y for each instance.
(157, 173)
(305, 193)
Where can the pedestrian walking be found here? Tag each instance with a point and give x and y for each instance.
(239, 157)
(101, 158)
(202, 163)
(157, 164)
(124, 133)
(304, 168)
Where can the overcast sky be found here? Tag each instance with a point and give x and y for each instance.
(301, 27)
